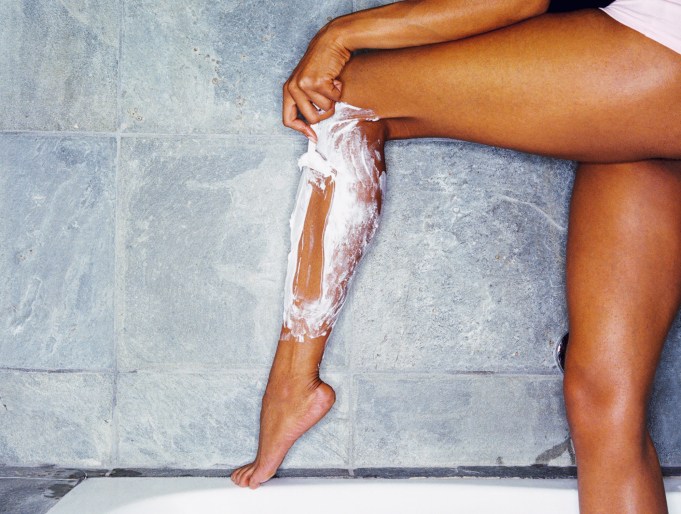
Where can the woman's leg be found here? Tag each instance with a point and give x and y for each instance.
(579, 86)
(336, 214)
(584, 87)
(624, 290)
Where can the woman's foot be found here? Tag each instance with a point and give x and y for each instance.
(293, 402)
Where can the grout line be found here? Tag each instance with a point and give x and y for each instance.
(351, 420)
(113, 457)
(398, 374)
(444, 374)
(86, 133)
(255, 136)
(119, 133)
(57, 370)
(219, 370)
(351, 387)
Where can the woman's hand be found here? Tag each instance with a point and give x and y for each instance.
(314, 82)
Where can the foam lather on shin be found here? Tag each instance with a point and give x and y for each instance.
(342, 177)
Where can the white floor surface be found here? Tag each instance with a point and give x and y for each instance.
(196, 495)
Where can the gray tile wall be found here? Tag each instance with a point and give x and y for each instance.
(145, 190)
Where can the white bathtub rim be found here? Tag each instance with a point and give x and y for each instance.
(120, 495)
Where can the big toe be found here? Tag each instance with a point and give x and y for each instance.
(260, 475)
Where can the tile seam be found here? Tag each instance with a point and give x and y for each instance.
(351, 435)
(66, 133)
(351, 392)
(113, 457)
(100, 371)
(179, 135)
(261, 369)
(419, 374)
(256, 136)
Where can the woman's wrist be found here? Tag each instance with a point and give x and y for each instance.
(339, 32)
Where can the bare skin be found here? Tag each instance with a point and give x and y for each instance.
(296, 398)
(578, 86)
(624, 289)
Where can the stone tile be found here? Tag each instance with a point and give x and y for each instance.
(57, 203)
(55, 418)
(359, 5)
(665, 415)
(204, 239)
(459, 420)
(211, 420)
(204, 66)
(58, 68)
(466, 271)
(30, 495)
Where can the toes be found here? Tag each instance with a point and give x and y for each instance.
(239, 473)
(254, 483)
(259, 476)
(245, 475)
(232, 477)
(251, 475)
(234, 474)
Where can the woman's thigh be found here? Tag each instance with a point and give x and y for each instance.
(579, 86)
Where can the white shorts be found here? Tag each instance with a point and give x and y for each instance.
(658, 19)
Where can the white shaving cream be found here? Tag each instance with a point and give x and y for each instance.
(343, 155)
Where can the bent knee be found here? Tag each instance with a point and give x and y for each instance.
(603, 403)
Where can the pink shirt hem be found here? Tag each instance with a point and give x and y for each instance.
(659, 20)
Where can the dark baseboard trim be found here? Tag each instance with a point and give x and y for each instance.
(534, 471)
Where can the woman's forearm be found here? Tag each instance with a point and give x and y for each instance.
(313, 87)
(423, 22)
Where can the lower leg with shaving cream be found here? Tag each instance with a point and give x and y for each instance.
(336, 214)
(338, 204)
